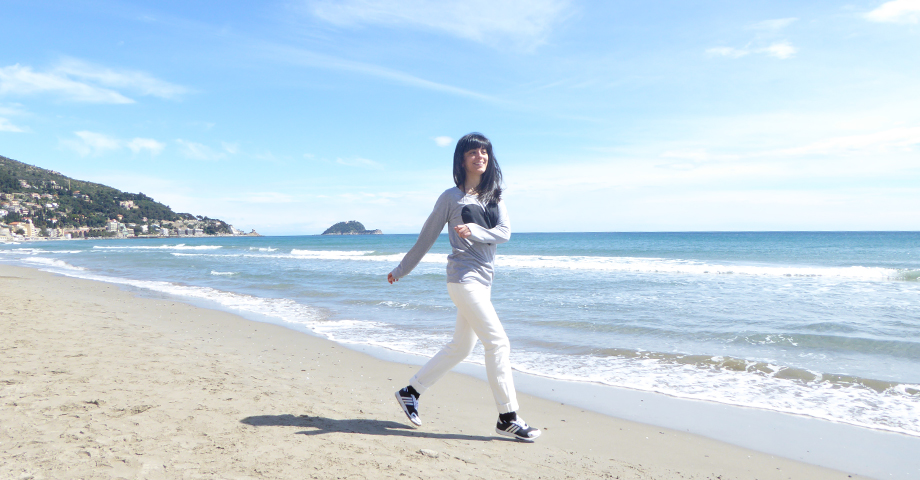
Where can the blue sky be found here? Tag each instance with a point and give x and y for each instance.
(288, 116)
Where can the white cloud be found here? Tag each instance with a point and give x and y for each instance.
(19, 80)
(78, 81)
(727, 52)
(98, 143)
(359, 162)
(132, 80)
(774, 24)
(781, 50)
(896, 11)
(895, 139)
(198, 151)
(525, 23)
(138, 144)
(7, 126)
(443, 141)
(299, 56)
(231, 148)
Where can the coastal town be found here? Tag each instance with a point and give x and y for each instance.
(27, 216)
(17, 211)
(37, 203)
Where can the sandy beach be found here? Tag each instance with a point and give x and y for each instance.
(96, 382)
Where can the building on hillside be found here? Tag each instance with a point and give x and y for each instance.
(26, 227)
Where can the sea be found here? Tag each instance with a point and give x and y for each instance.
(818, 324)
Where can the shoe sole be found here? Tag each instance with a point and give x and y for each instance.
(516, 437)
(406, 411)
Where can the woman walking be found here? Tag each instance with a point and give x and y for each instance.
(478, 221)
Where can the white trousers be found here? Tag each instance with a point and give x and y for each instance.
(475, 318)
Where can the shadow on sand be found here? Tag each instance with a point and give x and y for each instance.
(321, 425)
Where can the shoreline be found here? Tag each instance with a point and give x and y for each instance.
(152, 365)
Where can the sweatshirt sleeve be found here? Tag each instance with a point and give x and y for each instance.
(500, 233)
(429, 234)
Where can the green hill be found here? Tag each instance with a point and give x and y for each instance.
(350, 228)
(52, 200)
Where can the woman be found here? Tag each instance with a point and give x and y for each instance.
(474, 210)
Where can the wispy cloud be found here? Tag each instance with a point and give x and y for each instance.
(136, 145)
(8, 126)
(443, 141)
(780, 50)
(20, 80)
(765, 41)
(94, 143)
(896, 11)
(199, 151)
(131, 80)
(727, 52)
(774, 24)
(307, 58)
(894, 139)
(78, 81)
(525, 24)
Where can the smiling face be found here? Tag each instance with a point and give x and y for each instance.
(475, 162)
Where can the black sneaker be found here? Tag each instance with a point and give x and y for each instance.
(518, 429)
(409, 405)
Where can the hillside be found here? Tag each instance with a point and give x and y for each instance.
(54, 202)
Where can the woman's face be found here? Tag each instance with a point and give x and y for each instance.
(475, 161)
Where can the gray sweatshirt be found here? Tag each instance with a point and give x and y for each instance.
(472, 258)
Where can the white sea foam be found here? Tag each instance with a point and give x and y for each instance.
(661, 265)
(51, 262)
(613, 264)
(263, 249)
(35, 251)
(180, 246)
(213, 272)
(896, 410)
(286, 310)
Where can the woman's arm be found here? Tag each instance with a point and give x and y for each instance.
(500, 233)
(426, 238)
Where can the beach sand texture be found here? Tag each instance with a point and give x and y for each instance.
(96, 382)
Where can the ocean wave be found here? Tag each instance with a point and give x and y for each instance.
(263, 249)
(609, 264)
(35, 251)
(180, 246)
(875, 404)
(51, 262)
(283, 309)
(662, 265)
(852, 400)
(213, 272)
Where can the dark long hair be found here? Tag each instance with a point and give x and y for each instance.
(490, 184)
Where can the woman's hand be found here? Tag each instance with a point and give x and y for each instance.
(391, 278)
(463, 231)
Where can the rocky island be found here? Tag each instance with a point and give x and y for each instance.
(351, 227)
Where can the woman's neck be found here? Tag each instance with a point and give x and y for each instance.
(471, 184)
